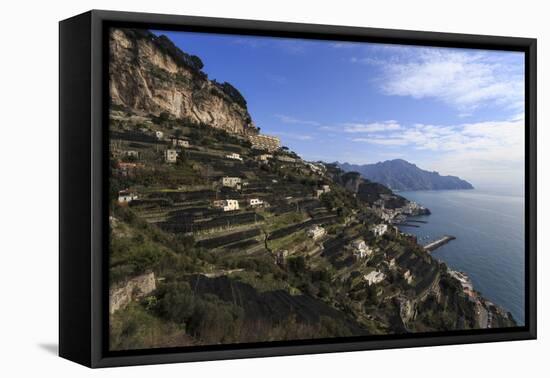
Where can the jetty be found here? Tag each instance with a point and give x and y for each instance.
(408, 225)
(438, 243)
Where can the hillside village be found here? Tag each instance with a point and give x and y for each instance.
(223, 235)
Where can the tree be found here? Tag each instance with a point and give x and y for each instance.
(297, 264)
(164, 117)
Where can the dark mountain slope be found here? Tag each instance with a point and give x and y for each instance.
(399, 174)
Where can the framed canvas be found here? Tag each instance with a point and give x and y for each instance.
(234, 188)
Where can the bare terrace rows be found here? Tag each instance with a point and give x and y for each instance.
(186, 224)
(285, 231)
(229, 238)
(134, 136)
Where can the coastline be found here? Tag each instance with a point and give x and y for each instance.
(490, 315)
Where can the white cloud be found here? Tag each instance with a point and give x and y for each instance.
(286, 45)
(296, 136)
(384, 142)
(276, 79)
(464, 80)
(489, 151)
(371, 127)
(292, 120)
(483, 137)
(253, 42)
(345, 45)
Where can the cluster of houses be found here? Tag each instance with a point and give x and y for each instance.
(265, 142)
(233, 204)
(171, 154)
(412, 208)
(399, 214)
(236, 183)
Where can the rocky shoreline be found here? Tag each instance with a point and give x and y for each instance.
(489, 314)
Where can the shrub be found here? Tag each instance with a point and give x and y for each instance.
(207, 318)
(297, 264)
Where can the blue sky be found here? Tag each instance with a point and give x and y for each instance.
(456, 111)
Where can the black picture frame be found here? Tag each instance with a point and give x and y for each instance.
(83, 227)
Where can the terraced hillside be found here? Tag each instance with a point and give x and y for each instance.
(247, 245)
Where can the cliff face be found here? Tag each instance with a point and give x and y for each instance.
(133, 289)
(150, 75)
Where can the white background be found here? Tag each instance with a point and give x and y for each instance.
(29, 187)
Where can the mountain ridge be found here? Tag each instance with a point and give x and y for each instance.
(399, 174)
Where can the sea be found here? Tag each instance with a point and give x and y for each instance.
(490, 240)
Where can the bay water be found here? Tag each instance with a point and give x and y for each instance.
(490, 240)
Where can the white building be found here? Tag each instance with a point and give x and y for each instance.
(170, 156)
(264, 157)
(125, 196)
(408, 276)
(232, 182)
(265, 142)
(131, 153)
(316, 232)
(253, 202)
(226, 205)
(159, 135)
(361, 249)
(374, 277)
(324, 189)
(179, 142)
(234, 156)
(231, 205)
(380, 229)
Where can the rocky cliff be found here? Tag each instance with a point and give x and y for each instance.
(149, 75)
(135, 288)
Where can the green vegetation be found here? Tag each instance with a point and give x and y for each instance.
(294, 260)
(173, 230)
(232, 92)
